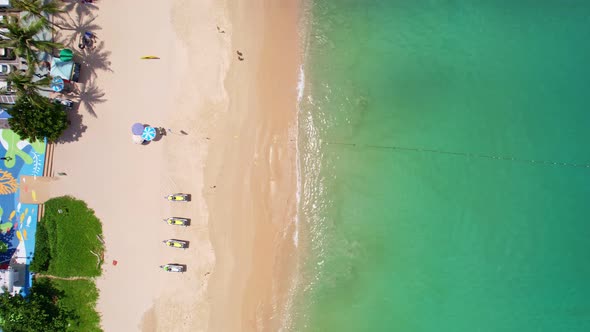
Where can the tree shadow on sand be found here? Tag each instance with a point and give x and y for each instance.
(76, 27)
(93, 60)
(90, 95)
(75, 129)
(80, 7)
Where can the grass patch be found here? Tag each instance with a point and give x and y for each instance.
(42, 255)
(80, 296)
(67, 236)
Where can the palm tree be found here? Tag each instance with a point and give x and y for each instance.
(38, 9)
(22, 40)
(25, 87)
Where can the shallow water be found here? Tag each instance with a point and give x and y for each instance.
(480, 222)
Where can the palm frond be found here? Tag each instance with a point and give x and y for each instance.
(22, 37)
(39, 10)
(24, 85)
(37, 7)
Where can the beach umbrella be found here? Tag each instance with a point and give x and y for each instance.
(66, 55)
(57, 84)
(137, 139)
(137, 128)
(149, 133)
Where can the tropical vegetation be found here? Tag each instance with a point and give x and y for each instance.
(36, 117)
(43, 309)
(20, 37)
(79, 298)
(38, 9)
(25, 86)
(33, 116)
(69, 240)
(68, 254)
(69, 247)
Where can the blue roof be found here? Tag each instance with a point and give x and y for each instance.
(4, 114)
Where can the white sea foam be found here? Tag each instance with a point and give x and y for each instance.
(306, 148)
(300, 91)
(301, 83)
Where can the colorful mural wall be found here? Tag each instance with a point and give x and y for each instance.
(18, 220)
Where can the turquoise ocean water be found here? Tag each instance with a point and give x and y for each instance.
(456, 237)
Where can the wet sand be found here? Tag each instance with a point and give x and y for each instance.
(253, 166)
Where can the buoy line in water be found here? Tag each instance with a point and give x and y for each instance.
(464, 154)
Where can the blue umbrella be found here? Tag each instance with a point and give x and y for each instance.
(149, 133)
(57, 84)
(137, 128)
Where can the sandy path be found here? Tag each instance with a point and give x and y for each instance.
(61, 278)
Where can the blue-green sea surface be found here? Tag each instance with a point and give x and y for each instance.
(472, 227)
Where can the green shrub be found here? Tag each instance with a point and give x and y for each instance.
(42, 256)
(42, 310)
(72, 234)
(38, 118)
(65, 237)
(80, 298)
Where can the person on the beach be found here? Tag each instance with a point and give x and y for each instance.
(90, 35)
(88, 39)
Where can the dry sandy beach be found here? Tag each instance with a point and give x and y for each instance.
(237, 160)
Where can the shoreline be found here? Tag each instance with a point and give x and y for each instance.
(252, 235)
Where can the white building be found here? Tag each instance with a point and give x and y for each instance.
(13, 278)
